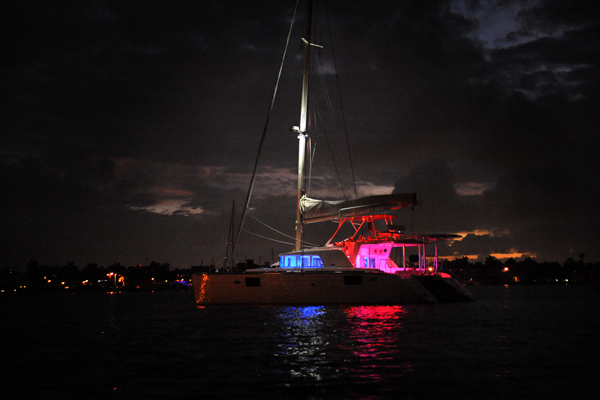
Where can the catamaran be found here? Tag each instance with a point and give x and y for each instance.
(357, 270)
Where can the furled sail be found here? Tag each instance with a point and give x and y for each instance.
(314, 210)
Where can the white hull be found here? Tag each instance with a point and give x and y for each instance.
(278, 286)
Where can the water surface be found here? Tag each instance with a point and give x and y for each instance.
(513, 342)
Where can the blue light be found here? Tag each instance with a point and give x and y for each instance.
(300, 261)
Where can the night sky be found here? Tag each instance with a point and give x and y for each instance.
(129, 127)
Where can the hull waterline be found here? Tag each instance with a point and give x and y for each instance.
(359, 287)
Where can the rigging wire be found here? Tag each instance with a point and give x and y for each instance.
(275, 230)
(337, 171)
(230, 235)
(329, 105)
(267, 238)
(277, 241)
(215, 265)
(311, 158)
(317, 117)
(264, 134)
(337, 78)
(325, 90)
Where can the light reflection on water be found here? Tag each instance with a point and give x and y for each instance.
(302, 345)
(356, 342)
(513, 342)
(374, 332)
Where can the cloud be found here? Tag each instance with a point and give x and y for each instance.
(172, 207)
(472, 188)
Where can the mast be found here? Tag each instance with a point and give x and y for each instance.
(303, 140)
(230, 240)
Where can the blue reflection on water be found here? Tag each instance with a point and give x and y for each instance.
(311, 311)
(302, 345)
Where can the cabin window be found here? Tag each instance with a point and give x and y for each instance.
(298, 261)
(305, 261)
(353, 279)
(252, 281)
(290, 261)
(369, 262)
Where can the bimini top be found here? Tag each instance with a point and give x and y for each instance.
(315, 210)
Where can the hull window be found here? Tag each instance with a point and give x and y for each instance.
(353, 280)
(252, 281)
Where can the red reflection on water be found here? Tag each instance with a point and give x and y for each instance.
(374, 341)
(371, 328)
(375, 312)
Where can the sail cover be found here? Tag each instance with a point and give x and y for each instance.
(314, 210)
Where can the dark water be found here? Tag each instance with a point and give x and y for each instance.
(513, 342)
